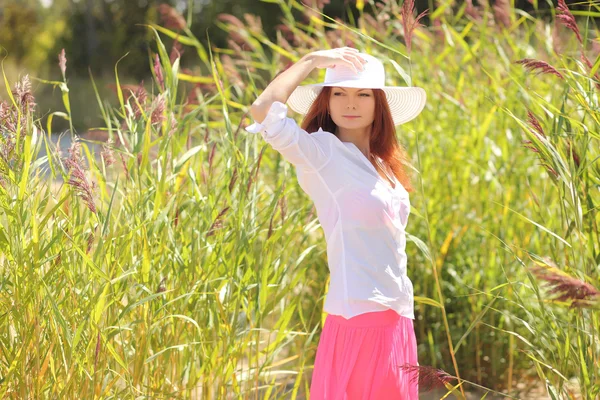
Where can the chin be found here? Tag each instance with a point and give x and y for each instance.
(353, 126)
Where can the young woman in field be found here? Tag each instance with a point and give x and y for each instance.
(348, 160)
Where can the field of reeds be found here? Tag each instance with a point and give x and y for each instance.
(184, 261)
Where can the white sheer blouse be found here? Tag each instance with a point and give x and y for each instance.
(363, 217)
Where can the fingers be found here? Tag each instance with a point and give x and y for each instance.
(355, 62)
(360, 61)
(351, 64)
(351, 57)
(347, 49)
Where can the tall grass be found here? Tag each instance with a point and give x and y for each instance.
(185, 262)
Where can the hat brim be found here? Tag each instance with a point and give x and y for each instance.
(405, 102)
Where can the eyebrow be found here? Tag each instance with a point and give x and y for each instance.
(360, 90)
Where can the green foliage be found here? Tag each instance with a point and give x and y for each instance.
(185, 262)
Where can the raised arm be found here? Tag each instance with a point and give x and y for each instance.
(307, 151)
(282, 86)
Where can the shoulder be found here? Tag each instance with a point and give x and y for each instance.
(324, 135)
(326, 139)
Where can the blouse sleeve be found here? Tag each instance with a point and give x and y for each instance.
(307, 151)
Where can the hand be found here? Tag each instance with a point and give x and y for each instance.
(347, 56)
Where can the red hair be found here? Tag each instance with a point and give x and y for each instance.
(383, 141)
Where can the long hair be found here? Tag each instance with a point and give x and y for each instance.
(383, 141)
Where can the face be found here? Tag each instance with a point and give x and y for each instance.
(358, 102)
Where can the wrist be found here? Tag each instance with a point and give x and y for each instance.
(308, 59)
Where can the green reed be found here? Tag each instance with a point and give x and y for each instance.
(185, 261)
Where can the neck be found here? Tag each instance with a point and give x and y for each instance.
(360, 138)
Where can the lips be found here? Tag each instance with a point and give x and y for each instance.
(351, 116)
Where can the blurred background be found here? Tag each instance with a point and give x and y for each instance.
(97, 33)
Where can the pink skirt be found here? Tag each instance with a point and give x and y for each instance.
(359, 358)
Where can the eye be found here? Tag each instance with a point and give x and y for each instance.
(366, 94)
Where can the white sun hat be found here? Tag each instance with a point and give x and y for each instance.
(405, 102)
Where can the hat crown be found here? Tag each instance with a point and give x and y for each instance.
(372, 76)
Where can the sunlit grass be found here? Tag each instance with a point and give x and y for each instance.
(187, 263)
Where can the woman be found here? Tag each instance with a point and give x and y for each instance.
(349, 167)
